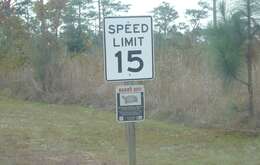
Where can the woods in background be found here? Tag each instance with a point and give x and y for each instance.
(52, 51)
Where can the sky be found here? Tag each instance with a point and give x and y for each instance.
(144, 7)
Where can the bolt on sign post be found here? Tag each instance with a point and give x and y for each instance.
(128, 56)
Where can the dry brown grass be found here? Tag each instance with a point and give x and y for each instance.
(185, 89)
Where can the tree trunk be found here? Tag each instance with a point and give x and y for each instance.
(57, 22)
(79, 21)
(7, 8)
(215, 13)
(42, 18)
(249, 60)
(56, 32)
(99, 17)
(27, 16)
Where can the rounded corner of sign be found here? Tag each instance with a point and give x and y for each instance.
(120, 122)
(107, 78)
(153, 77)
(112, 80)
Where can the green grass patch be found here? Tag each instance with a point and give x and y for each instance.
(54, 134)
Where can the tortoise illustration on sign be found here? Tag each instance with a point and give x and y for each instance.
(130, 99)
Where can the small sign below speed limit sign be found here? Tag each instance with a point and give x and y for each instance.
(128, 48)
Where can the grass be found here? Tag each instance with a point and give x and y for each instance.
(37, 133)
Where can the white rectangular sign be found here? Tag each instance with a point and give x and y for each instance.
(130, 103)
(128, 48)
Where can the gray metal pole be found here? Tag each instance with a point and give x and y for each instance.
(131, 138)
(131, 143)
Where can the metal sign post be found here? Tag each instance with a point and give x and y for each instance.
(131, 138)
(129, 55)
(131, 143)
(130, 109)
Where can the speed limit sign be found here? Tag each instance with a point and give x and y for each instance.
(128, 48)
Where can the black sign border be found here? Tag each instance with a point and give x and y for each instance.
(105, 56)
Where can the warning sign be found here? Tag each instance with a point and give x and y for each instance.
(130, 103)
